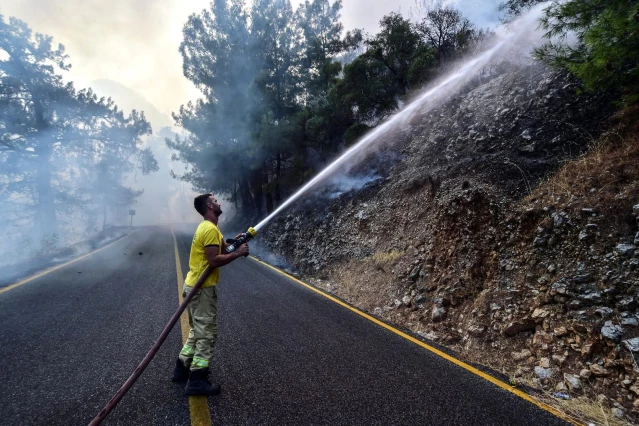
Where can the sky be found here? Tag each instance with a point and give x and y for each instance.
(134, 43)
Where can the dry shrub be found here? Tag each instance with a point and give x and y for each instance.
(607, 173)
(584, 409)
(383, 260)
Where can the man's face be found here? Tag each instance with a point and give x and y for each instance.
(213, 205)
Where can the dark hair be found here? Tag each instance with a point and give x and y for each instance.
(200, 203)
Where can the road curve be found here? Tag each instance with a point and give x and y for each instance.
(285, 355)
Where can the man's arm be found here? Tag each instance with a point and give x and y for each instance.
(216, 260)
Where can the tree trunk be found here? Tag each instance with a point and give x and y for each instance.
(278, 174)
(245, 194)
(237, 208)
(45, 215)
(258, 193)
(267, 191)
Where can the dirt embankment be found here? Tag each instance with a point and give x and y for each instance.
(508, 232)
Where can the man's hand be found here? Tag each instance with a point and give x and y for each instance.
(242, 250)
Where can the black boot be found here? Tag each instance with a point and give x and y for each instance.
(198, 384)
(180, 373)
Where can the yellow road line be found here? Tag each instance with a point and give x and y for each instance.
(432, 349)
(198, 405)
(55, 268)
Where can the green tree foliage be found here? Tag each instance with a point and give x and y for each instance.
(396, 60)
(277, 100)
(395, 47)
(53, 136)
(605, 54)
(319, 21)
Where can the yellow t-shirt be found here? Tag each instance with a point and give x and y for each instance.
(206, 234)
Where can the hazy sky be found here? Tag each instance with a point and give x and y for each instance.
(135, 42)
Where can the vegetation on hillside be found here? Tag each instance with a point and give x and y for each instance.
(279, 97)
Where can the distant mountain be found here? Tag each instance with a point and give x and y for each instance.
(128, 99)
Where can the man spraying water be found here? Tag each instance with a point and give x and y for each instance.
(207, 249)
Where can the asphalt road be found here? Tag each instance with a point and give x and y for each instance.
(285, 355)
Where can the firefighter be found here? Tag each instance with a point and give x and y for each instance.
(208, 248)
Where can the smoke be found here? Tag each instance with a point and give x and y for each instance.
(339, 185)
(521, 36)
(262, 252)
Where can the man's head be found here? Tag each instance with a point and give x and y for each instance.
(205, 203)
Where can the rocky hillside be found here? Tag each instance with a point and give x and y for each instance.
(508, 226)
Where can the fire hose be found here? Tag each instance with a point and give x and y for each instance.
(233, 245)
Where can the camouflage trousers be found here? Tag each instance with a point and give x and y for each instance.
(202, 311)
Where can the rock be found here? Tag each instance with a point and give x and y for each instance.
(560, 331)
(583, 278)
(476, 330)
(585, 236)
(561, 387)
(625, 250)
(521, 370)
(560, 219)
(618, 412)
(587, 348)
(406, 300)
(544, 363)
(414, 274)
(420, 299)
(599, 371)
(439, 313)
(626, 304)
(544, 373)
(520, 356)
(559, 359)
(612, 331)
(377, 311)
(603, 312)
(573, 381)
(543, 340)
(560, 286)
(527, 148)
(539, 314)
(539, 241)
(635, 389)
(636, 241)
(632, 344)
(585, 374)
(574, 304)
(516, 327)
(592, 298)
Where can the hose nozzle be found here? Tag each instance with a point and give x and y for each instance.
(244, 238)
